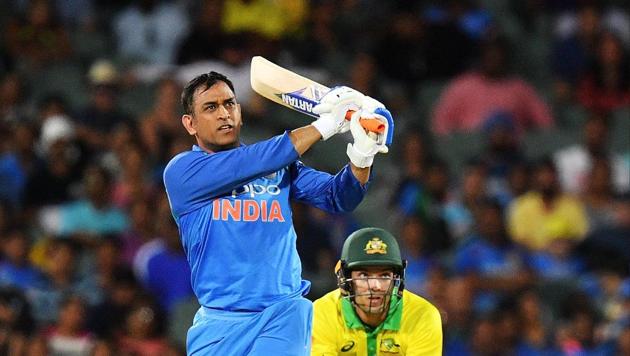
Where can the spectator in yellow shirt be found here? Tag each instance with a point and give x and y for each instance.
(545, 213)
(371, 314)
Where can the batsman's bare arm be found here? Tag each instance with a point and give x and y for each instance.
(305, 137)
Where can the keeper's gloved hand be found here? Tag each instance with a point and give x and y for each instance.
(332, 110)
(366, 145)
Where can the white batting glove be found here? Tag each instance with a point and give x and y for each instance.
(370, 104)
(332, 110)
(365, 146)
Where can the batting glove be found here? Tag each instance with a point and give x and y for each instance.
(332, 110)
(366, 145)
(372, 105)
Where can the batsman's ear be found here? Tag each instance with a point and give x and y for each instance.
(188, 122)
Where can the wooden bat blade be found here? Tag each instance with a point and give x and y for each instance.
(285, 87)
(294, 91)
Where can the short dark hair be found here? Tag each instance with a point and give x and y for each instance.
(207, 80)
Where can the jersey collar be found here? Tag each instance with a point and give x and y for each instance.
(392, 321)
(199, 149)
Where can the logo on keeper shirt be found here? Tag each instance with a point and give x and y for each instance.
(348, 346)
(390, 346)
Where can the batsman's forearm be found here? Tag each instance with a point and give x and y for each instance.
(361, 174)
(304, 137)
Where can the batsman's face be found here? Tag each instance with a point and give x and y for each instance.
(373, 289)
(216, 118)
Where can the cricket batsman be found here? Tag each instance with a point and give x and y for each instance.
(371, 314)
(231, 204)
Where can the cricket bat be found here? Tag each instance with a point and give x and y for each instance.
(294, 91)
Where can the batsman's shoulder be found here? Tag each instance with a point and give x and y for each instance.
(175, 166)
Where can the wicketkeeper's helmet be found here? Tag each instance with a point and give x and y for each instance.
(370, 247)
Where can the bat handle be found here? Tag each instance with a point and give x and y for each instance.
(369, 124)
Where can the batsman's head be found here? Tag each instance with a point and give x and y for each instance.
(371, 270)
(211, 112)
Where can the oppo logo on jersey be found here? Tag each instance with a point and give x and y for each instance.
(247, 210)
(256, 189)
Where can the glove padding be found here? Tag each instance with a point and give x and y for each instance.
(372, 105)
(332, 110)
(365, 146)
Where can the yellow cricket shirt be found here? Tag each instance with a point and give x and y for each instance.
(413, 327)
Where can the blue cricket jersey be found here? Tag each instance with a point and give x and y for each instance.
(234, 216)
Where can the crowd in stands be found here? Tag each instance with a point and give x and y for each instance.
(508, 183)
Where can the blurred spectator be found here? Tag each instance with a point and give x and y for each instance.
(102, 113)
(534, 324)
(206, 40)
(89, 218)
(558, 261)
(364, 75)
(6, 217)
(414, 158)
(282, 18)
(161, 265)
(150, 31)
(13, 105)
(423, 194)
(606, 85)
(143, 334)
(37, 346)
(482, 340)
(464, 104)
(107, 262)
(61, 280)
(141, 230)
(77, 14)
(133, 183)
(493, 265)
(122, 136)
(577, 335)
(575, 162)
(51, 105)
(18, 161)
(452, 29)
(458, 314)
(15, 268)
(509, 330)
(572, 52)
(419, 263)
(68, 336)
(16, 323)
(622, 346)
(611, 294)
(501, 154)
(162, 124)
(599, 198)
(319, 43)
(611, 241)
(399, 54)
(518, 181)
(546, 212)
(462, 205)
(107, 319)
(54, 181)
(37, 39)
